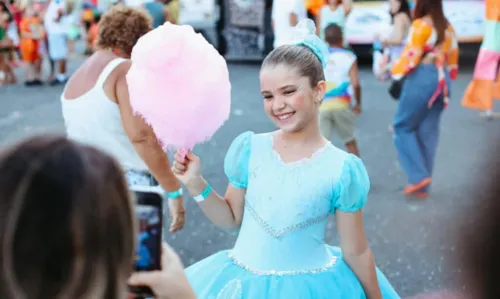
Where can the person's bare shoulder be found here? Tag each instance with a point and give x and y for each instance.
(121, 71)
(123, 68)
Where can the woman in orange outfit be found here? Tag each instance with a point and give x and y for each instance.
(31, 33)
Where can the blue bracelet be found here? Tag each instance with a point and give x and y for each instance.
(204, 194)
(175, 194)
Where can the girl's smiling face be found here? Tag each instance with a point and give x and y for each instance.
(289, 100)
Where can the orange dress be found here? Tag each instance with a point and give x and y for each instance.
(30, 48)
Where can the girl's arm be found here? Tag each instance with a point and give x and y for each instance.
(347, 4)
(224, 211)
(356, 251)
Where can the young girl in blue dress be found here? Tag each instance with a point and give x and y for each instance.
(282, 187)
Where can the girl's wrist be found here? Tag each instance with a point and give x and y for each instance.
(196, 186)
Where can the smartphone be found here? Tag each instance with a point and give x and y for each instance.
(149, 215)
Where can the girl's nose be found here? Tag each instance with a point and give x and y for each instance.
(278, 104)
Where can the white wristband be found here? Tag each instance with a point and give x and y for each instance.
(204, 194)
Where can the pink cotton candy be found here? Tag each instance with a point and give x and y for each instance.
(180, 85)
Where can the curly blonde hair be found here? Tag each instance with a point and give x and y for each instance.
(120, 27)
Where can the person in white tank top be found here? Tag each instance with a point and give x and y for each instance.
(97, 111)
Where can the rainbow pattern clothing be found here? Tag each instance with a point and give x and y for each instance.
(485, 86)
(337, 79)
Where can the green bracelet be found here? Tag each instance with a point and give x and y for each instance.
(175, 194)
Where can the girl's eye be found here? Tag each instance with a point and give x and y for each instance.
(268, 97)
(289, 92)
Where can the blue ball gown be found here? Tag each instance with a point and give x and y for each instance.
(280, 251)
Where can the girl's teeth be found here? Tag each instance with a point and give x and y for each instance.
(282, 117)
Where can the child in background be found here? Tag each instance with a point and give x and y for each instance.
(40, 10)
(341, 73)
(93, 31)
(32, 33)
(72, 23)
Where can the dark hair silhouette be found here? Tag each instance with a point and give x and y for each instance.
(66, 222)
(481, 239)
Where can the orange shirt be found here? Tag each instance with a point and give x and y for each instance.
(492, 10)
(422, 38)
(31, 25)
(314, 6)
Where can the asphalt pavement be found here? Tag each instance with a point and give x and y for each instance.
(414, 242)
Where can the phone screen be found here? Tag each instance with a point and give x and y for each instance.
(148, 211)
(149, 237)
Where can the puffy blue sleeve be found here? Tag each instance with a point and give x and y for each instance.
(237, 158)
(351, 192)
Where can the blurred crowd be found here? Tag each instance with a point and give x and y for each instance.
(69, 196)
(34, 33)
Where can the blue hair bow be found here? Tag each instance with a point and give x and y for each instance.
(304, 34)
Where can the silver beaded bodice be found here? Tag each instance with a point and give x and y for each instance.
(284, 197)
(278, 234)
(286, 211)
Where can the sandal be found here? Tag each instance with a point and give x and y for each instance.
(410, 189)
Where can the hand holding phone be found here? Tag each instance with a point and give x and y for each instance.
(168, 283)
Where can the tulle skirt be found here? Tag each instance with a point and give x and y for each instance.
(219, 277)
